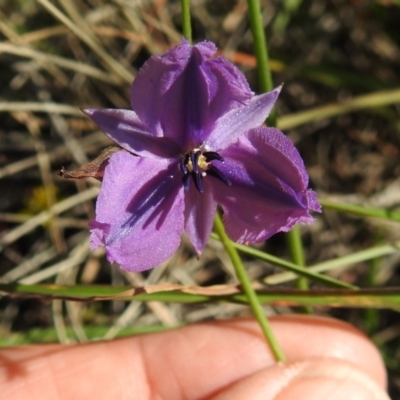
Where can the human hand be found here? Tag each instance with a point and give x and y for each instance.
(326, 359)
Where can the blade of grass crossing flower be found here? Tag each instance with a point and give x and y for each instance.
(186, 23)
(261, 51)
(260, 46)
(248, 289)
(265, 83)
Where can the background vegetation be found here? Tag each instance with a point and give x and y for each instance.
(339, 61)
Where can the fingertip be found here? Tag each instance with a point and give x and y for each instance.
(306, 380)
(314, 336)
(333, 379)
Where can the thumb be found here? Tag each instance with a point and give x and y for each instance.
(312, 379)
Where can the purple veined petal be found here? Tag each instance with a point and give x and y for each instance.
(238, 121)
(180, 95)
(252, 219)
(220, 88)
(269, 187)
(200, 209)
(125, 128)
(139, 211)
(227, 87)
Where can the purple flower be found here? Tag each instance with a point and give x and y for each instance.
(194, 141)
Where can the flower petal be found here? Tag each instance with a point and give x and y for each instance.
(238, 121)
(181, 94)
(200, 210)
(269, 187)
(125, 128)
(139, 211)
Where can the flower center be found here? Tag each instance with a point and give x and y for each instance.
(197, 164)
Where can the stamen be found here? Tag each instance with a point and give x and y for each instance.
(183, 164)
(198, 181)
(194, 158)
(215, 172)
(198, 165)
(186, 182)
(212, 155)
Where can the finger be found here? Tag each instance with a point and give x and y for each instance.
(221, 353)
(315, 379)
(194, 361)
(312, 336)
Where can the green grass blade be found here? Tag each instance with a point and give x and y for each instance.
(373, 100)
(296, 270)
(340, 262)
(186, 22)
(362, 298)
(360, 210)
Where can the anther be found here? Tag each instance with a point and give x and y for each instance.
(212, 155)
(194, 158)
(198, 165)
(216, 173)
(185, 172)
(198, 181)
(186, 182)
(183, 164)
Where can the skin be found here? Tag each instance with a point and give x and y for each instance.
(326, 359)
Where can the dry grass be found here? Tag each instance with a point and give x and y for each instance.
(59, 56)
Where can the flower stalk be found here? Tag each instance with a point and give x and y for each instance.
(243, 278)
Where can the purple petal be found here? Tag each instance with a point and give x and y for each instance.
(125, 128)
(238, 121)
(139, 211)
(181, 94)
(269, 187)
(200, 210)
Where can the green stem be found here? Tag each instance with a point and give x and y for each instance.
(296, 246)
(186, 23)
(296, 249)
(371, 319)
(260, 46)
(297, 252)
(248, 289)
(261, 52)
